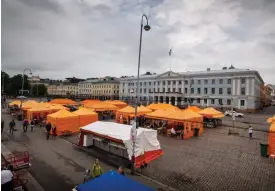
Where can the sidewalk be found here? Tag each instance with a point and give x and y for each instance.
(32, 184)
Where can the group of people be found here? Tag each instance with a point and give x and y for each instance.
(96, 171)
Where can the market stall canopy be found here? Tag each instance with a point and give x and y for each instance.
(29, 104)
(111, 181)
(57, 107)
(158, 106)
(102, 107)
(117, 103)
(271, 139)
(271, 119)
(62, 114)
(15, 102)
(211, 113)
(85, 111)
(90, 101)
(194, 108)
(161, 114)
(63, 102)
(184, 116)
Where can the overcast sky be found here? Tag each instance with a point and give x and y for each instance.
(95, 38)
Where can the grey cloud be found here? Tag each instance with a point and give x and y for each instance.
(95, 38)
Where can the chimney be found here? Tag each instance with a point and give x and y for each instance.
(208, 69)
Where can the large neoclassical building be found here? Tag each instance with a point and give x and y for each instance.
(225, 88)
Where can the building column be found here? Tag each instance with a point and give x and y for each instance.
(170, 100)
(253, 87)
(176, 101)
(238, 86)
(233, 86)
(247, 89)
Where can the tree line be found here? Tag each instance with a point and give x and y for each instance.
(12, 86)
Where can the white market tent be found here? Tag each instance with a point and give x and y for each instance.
(146, 140)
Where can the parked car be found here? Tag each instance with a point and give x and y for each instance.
(230, 113)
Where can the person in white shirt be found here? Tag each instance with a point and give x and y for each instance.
(6, 180)
(250, 131)
(173, 131)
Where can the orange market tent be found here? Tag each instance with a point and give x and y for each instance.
(130, 112)
(161, 114)
(271, 139)
(210, 112)
(271, 119)
(194, 108)
(64, 121)
(38, 112)
(29, 104)
(86, 116)
(90, 101)
(63, 102)
(158, 106)
(190, 120)
(118, 103)
(102, 106)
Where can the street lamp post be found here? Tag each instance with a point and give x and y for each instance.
(22, 90)
(135, 125)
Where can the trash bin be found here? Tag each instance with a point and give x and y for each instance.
(264, 150)
(196, 132)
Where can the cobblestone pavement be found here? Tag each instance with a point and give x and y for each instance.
(214, 161)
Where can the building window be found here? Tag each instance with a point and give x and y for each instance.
(174, 82)
(163, 90)
(221, 81)
(213, 90)
(179, 82)
(205, 91)
(213, 101)
(228, 102)
(229, 81)
(198, 100)
(140, 83)
(199, 81)
(185, 81)
(158, 89)
(168, 89)
(185, 100)
(185, 90)
(158, 83)
(229, 91)
(179, 90)
(144, 83)
(199, 90)
(191, 100)
(220, 101)
(192, 90)
(169, 82)
(122, 84)
(242, 102)
(213, 81)
(220, 91)
(205, 101)
(174, 90)
(149, 83)
(242, 91)
(140, 91)
(163, 83)
(192, 81)
(122, 90)
(205, 81)
(242, 80)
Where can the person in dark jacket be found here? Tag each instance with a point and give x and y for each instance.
(48, 130)
(25, 125)
(120, 170)
(54, 132)
(32, 125)
(12, 125)
(2, 125)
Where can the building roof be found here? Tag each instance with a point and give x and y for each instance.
(107, 82)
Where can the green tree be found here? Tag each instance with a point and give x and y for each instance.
(39, 89)
(5, 79)
(16, 85)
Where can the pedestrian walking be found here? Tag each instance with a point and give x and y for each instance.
(96, 169)
(120, 170)
(250, 131)
(25, 125)
(32, 125)
(12, 125)
(48, 130)
(6, 179)
(2, 125)
(87, 175)
(54, 132)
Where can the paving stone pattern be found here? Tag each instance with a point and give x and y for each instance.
(214, 161)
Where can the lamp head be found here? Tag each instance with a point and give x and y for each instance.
(30, 73)
(147, 27)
